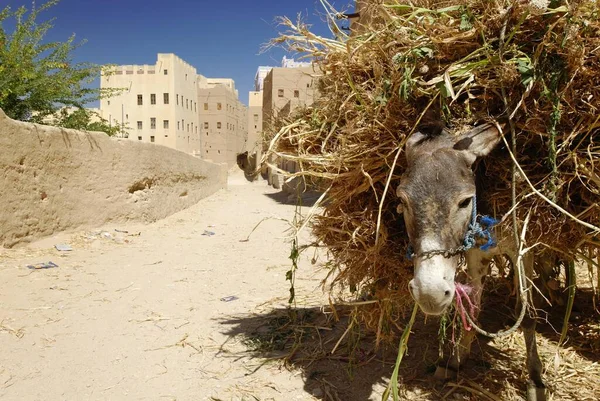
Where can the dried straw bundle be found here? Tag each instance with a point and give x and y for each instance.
(521, 62)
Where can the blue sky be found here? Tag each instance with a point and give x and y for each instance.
(222, 39)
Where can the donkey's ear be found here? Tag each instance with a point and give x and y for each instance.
(478, 142)
(431, 135)
(413, 142)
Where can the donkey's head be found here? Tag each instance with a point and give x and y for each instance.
(436, 194)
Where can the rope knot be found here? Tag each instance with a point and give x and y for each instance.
(481, 228)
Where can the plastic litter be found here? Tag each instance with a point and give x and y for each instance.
(43, 265)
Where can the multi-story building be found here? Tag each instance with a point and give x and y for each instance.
(255, 120)
(164, 103)
(263, 70)
(292, 63)
(255, 117)
(158, 104)
(223, 120)
(284, 90)
(259, 78)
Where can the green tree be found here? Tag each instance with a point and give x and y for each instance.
(81, 119)
(38, 78)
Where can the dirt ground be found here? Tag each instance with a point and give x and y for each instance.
(145, 317)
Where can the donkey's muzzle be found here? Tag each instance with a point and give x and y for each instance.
(432, 298)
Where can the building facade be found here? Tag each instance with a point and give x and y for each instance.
(223, 120)
(259, 77)
(284, 90)
(160, 104)
(255, 123)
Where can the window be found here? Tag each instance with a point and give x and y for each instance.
(152, 98)
(195, 108)
(177, 99)
(255, 117)
(219, 125)
(177, 124)
(255, 127)
(127, 116)
(109, 102)
(308, 85)
(218, 106)
(186, 77)
(165, 98)
(188, 128)
(139, 138)
(280, 92)
(186, 103)
(196, 129)
(153, 123)
(205, 106)
(140, 100)
(139, 125)
(206, 125)
(166, 72)
(296, 93)
(152, 139)
(166, 124)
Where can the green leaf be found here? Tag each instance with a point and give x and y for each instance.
(465, 21)
(38, 77)
(423, 52)
(526, 70)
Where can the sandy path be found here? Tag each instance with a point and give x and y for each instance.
(144, 319)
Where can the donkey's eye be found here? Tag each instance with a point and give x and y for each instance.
(402, 201)
(464, 203)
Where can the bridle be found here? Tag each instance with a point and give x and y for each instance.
(479, 227)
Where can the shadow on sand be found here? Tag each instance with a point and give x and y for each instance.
(307, 199)
(303, 338)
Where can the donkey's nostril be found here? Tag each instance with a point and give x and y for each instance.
(447, 293)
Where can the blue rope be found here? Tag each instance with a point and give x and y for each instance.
(477, 229)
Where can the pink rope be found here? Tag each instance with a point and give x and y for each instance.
(462, 293)
(461, 310)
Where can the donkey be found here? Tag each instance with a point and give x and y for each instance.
(436, 197)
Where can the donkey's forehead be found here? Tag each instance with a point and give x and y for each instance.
(445, 171)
